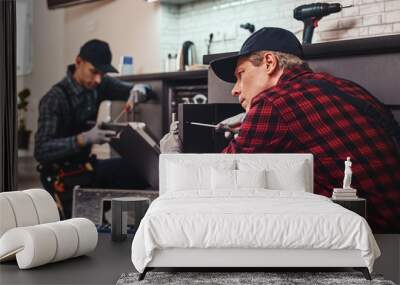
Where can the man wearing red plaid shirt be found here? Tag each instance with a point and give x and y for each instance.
(291, 109)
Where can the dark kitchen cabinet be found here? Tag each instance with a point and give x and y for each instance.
(55, 4)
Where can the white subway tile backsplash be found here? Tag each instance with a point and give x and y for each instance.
(381, 29)
(350, 23)
(372, 8)
(392, 5)
(364, 31)
(392, 17)
(369, 20)
(352, 11)
(396, 28)
(328, 25)
(330, 35)
(371, 1)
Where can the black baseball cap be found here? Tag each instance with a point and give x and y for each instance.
(270, 38)
(98, 53)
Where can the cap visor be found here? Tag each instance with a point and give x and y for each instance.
(107, 68)
(225, 67)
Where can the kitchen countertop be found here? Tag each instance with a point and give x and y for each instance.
(176, 75)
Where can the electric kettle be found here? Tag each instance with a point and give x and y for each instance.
(186, 56)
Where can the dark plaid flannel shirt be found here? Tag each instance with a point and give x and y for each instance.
(55, 114)
(307, 112)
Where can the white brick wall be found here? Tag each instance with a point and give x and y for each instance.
(372, 8)
(197, 20)
(169, 25)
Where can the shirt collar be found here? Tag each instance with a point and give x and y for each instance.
(292, 73)
(73, 84)
(288, 75)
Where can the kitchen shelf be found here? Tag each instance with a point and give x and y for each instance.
(373, 45)
(176, 75)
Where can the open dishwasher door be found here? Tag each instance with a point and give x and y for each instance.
(140, 150)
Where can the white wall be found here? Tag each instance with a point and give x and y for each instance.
(48, 57)
(131, 27)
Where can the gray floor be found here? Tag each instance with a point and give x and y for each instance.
(103, 266)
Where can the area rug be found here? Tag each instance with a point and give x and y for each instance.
(244, 278)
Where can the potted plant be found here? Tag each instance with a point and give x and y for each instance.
(22, 106)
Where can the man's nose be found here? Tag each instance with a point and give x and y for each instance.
(235, 90)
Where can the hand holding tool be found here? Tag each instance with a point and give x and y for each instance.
(138, 94)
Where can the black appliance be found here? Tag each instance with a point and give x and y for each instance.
(186, 56)
(192, 95)
(199, 139)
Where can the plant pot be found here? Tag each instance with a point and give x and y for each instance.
(23, 138)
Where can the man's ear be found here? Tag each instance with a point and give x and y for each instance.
(271, 62)
(78, 61)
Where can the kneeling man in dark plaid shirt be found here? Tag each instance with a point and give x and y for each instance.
(291, 109)
(63, 140)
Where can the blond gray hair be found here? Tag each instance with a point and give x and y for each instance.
(285, 60)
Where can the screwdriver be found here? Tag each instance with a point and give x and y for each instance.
(219, 127)
(124, 110)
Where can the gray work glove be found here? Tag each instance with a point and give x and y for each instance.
(138, 94)
(231, 125)
(97, 136)
(171, 143)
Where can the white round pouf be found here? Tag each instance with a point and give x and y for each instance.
(40, 244)
(7, 218)
(33, 246)
(67, 240)
(23, 208)
(87, 235)
(46, 207)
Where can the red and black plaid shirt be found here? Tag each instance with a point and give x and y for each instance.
(308, 112)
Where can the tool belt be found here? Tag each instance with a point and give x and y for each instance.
(66, 175)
